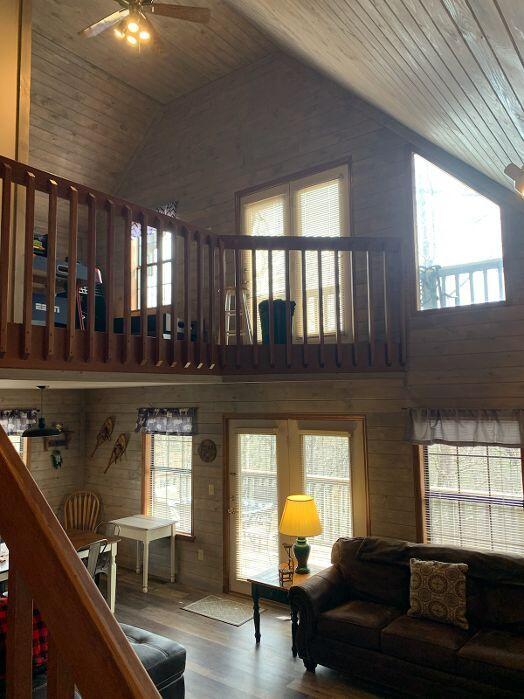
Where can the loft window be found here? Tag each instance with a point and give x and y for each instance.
(168, 480)
(313, 206)
(458, 241)
(473, 497)
(154, 237)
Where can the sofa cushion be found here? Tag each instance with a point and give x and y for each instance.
(424, 642)
(357, 622)
(164, 659)
(494, 656)
(373, 582)
(438, 592)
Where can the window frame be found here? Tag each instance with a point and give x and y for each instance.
(26, 451)
(136, 270)
(146, 490)
(288, 186)
(480, 184)
(420, 492)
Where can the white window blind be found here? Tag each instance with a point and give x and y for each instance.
(318, 212)
(474, 497)
(18, 442)
(326, 464)
(257, 498)
(170, 488)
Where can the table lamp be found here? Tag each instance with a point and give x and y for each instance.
(300, 519)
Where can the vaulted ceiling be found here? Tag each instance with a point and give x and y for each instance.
(451, 70)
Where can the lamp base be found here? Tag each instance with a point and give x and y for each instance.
(301, 550)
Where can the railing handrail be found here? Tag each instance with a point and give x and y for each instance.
(85, 193)
(467, 267)
(282, 242)
(86, 635)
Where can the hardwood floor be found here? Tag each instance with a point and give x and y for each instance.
(223, 660)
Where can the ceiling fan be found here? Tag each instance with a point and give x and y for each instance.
(131, 21)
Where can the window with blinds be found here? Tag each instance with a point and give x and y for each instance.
(327, 478)
(314, 206)
(18, 442)
(152, 264)
(257, 501)
(169, 486)
(473, 497)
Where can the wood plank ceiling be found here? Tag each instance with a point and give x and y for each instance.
(451, 70)
(93, 100)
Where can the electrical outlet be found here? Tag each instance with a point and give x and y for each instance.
(200, 554)
(211, 488)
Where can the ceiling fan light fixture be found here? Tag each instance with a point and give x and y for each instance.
(133, 25)
(132, 39)
(144, 35)
(120, 32)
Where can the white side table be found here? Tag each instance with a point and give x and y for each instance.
(142, 528)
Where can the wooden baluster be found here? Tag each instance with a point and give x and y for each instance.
(91, 275)
(254, 305)
(457, 290)
(212, 301)
(159, 350)
(188, 345)
(271, 311)
(19, 641)
(320, 311)
(126, 340)
(353, 306)
(60, 682)
(144, 344)
(387, 310)
(174, 312)
(28, 262)
(5, 256)
(109, 280)
(222, 302)
(200, 299)
(305, 358)
(72, 294)
(289, 339)
(370, 308)
(471, 288)
(238, 281)
(338, 356)
(49, 341)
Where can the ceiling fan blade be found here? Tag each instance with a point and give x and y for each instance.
(190, 14)
(105, 23)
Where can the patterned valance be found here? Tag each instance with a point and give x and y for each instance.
(465, 427)
(181, 421)
(17, 420)
(168, 209)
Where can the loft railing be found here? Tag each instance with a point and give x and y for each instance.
(119, 287)
(87, 647)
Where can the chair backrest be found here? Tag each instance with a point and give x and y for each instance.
(94, 555)
(81, 510)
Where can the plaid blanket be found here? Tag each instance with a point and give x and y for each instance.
(39, 639)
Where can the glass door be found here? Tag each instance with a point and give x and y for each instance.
(270, 460)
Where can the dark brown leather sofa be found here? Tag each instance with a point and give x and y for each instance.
(352, 618)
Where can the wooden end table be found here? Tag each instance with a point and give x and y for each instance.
(266, 585)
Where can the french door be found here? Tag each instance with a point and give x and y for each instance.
(271, 459)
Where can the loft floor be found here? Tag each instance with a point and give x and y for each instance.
(222, 660)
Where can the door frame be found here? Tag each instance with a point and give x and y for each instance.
(321, 417)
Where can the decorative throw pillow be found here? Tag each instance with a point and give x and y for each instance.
(437, 591)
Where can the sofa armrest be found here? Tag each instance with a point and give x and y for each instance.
(321, 592)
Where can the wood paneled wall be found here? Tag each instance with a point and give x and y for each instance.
(67, 408)
(390, 468)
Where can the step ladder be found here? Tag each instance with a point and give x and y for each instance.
(230, 312)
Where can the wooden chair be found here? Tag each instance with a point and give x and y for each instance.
(81, 510)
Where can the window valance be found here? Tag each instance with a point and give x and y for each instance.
(17, 420)
(181, 421)
(465, 427)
